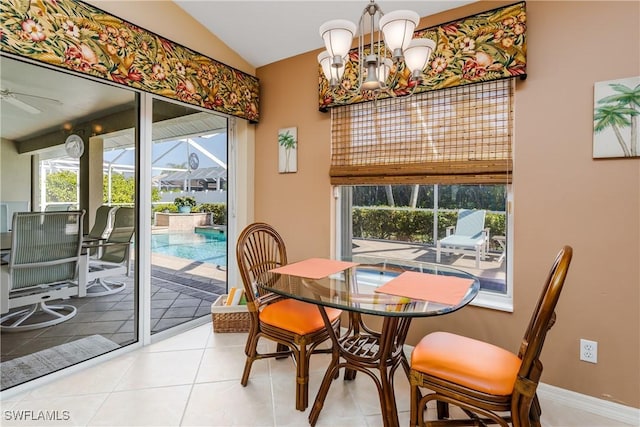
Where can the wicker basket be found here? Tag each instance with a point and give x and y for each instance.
(233, 318)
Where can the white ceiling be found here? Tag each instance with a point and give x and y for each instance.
(267, 31)
(261, 32)
(69, 98)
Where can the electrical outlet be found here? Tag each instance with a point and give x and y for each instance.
(589, 351)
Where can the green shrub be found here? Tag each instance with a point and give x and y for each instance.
(412, 225)
(218, 212)
(185, 201)
(165, 207)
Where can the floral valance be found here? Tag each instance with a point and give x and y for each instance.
(79, 37)
(487, 46)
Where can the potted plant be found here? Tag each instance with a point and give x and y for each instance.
(185, 204)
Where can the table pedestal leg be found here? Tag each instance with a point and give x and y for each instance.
(376, 354)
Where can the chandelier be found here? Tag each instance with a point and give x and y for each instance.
(376, 60)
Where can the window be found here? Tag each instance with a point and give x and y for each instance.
(407, 166)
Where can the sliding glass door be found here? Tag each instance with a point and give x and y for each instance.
(189, 168)
(60, 153)
(151, 176)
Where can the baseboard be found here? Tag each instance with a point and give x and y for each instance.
(604, 408)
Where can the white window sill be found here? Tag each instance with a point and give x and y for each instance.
(493, 301)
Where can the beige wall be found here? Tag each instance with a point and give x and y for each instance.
(15, 179)
(562, 195)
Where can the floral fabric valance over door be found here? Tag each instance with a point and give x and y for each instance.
(483, 47)
(76, 36)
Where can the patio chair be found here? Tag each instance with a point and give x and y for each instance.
(114, 258)
(4, 218)
(43, 267)
(297, 327)
(102, 225)
(469, 236)
(486, 381)
(59, 207)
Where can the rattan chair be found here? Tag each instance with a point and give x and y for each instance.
(114, 258)
(43, 267)
(483, 379)
(296, 326)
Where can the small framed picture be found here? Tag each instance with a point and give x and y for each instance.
(616, 118)
(288, 150)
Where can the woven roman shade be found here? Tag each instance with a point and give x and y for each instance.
(461, 135)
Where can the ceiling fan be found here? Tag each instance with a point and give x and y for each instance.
(13, 98)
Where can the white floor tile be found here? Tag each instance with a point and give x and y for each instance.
(338, 404)
(191, 340)
(366, 396)
(161, 369)
(224, 364)
(63, 411)
(227, 339)
(102, 378)
(227, 403)
(193, 379)
(162, 406)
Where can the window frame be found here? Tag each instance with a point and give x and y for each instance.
(485, 299)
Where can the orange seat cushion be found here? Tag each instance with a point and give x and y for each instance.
(296, 316)
(467, 362)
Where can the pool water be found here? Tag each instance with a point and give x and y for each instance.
(210, 248)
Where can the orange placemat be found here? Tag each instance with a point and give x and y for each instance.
(429, 287)
(314, 268)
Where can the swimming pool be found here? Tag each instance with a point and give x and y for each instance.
(201, 246)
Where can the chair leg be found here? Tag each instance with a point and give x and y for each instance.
(414, 402)
(251, 350)
(56, 311)
(281, 348)
(535, 411)
(302, 378)
(108, 288)
(442, 409)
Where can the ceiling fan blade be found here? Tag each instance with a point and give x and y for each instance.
(36, 96)
(20, 104)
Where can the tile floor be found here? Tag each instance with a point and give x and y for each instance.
(174, 300)
(193, 379)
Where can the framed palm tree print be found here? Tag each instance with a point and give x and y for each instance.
(616, 118)
(288, 150)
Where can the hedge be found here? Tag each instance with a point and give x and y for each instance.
(218, 210)
(413, 225)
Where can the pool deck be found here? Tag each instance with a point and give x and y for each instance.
(492, 271)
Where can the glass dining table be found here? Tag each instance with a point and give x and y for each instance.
(396, 291)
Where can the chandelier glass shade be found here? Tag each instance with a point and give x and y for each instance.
(333, 74)
(376, 60)
(338, 36)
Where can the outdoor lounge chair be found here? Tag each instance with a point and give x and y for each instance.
(114, 259)
(102, 225)
(43, 266)
(59, 207)
(469, 236)
(4, 218)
